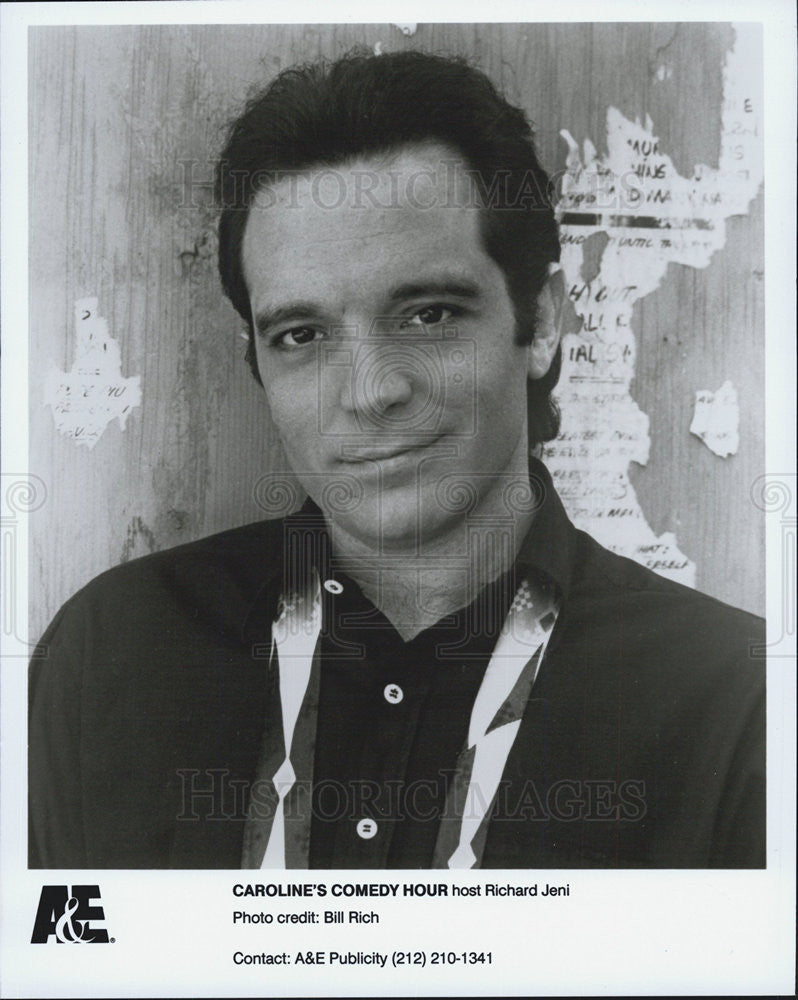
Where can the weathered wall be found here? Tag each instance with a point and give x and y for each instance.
(124, 126)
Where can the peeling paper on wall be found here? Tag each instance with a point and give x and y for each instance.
(406, 29)
(93, 392)
(716, 420)
(649, 216)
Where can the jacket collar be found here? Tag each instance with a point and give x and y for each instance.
(549, 546)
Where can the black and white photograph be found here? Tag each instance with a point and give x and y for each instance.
(405, 555)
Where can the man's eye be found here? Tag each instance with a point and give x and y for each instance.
(429, 316)
(298, 337)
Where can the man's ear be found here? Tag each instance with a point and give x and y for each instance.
(540, 353)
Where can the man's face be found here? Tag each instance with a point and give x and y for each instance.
(385, 342)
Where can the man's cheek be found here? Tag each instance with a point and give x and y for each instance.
(285, 408)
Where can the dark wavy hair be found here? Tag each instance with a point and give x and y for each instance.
(327, 113)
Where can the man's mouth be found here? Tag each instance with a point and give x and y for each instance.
(383, 452)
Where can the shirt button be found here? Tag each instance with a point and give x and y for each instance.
(333, 587)
(366, 829)
(393, 693)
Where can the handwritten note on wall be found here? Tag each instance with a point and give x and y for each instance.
(93, 392)
(648, 217)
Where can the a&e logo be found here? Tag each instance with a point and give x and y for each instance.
(65, 915)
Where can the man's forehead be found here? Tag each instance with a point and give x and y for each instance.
(379, 219)
(418, 176)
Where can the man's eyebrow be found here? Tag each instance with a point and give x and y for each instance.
(462, 288)
(266, 318)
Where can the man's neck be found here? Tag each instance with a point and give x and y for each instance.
(416, 584)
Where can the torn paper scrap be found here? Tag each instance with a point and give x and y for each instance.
(87, 398)
(649, 216)
(717, 420)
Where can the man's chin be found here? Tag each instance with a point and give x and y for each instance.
(398, 519)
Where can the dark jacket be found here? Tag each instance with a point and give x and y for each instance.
(642, 745)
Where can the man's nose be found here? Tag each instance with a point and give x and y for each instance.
(381, 380)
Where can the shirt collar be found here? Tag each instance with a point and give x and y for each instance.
(548, 549)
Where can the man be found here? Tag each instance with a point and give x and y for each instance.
(427, 666)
